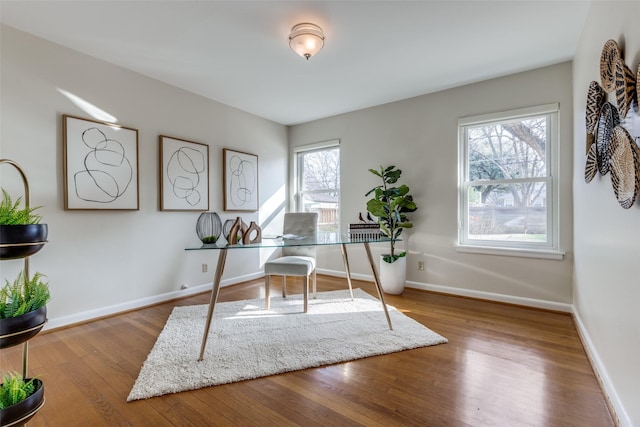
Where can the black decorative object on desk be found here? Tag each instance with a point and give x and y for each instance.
(209, 227)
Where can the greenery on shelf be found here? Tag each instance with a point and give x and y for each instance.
(15, 389)
(390, 205)
(23, 295)
(12, 214)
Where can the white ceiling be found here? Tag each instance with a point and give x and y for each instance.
(237, 53)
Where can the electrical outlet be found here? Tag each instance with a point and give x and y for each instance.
(205, 268)
(421, 265)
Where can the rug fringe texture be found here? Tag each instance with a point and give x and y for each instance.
(246, 341)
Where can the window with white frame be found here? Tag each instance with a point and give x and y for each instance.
(317, 182)
(508, 164)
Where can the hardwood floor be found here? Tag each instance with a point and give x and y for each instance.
(503, 366)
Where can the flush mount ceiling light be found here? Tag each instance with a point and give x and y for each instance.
(306, 39)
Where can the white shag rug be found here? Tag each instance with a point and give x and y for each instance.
(246, 341)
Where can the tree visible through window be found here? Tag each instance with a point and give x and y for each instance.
(507, 180)
(318, 184)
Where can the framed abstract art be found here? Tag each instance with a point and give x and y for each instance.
(240, 181)
(100, 165)
(184, 175)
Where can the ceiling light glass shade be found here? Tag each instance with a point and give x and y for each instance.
(306, 39)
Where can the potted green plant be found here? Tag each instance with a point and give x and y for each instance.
(12, 214)
(390, 204)
(21, 233)
(20, 398)
(23, 310)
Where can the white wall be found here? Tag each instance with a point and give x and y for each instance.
(102, 260)
(607, 237)
(419, 135)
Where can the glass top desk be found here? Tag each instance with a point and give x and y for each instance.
(323, 239)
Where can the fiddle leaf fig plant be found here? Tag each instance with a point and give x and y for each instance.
(390, 204)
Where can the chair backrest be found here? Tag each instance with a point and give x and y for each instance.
(300, 224)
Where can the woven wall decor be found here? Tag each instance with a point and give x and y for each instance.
(595, 98)
(638, 89)
(608, 119)
(608, 61)
(610, 130)
(624, 163)
(591, 168)
(625, 87)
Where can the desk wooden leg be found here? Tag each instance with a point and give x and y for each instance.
(345, 259)
(376, 279)
(214, 298)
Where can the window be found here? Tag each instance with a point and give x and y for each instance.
(507, 186)
(317, 175)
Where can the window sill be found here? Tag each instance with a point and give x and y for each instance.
(525, 253)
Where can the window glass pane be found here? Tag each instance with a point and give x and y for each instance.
(507, 179)
(507, 150)
(327, 207)
(321, 169)
(514, 213)
(319, 186)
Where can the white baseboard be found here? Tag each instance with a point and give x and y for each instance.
(620, 414)
(85, 316)
(528, 302)
(490, 296)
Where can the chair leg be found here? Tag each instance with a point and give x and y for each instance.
(266, 292)
(284, 286)
(314, 284)
(306, 292)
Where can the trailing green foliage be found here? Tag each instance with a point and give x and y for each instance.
(390, 204)
(23, 295)
(12, 214)
(15, 389)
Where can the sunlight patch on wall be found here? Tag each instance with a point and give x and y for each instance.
(89, 108)
(270, 217)
(270, 214)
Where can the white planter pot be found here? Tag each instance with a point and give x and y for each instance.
(393, 275)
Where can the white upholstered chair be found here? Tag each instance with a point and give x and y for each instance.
(295, 260)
